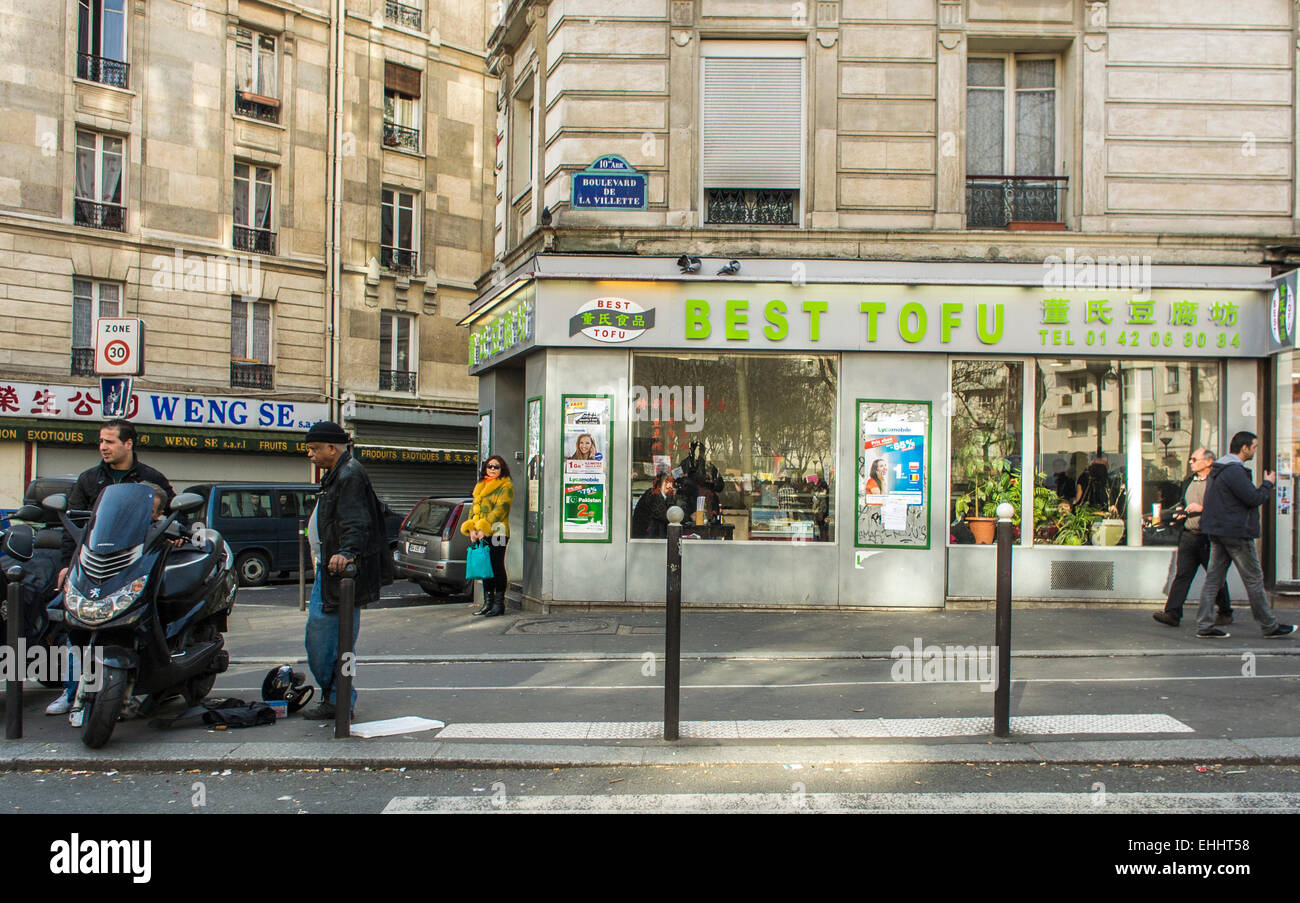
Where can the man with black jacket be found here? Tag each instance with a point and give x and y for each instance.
(1193, 545)
(1231, 519)
(349, 520)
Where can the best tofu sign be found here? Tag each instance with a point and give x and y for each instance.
(119, 347)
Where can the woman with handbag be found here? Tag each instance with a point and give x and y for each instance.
(489, 522)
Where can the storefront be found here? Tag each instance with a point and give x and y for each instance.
(848, 419)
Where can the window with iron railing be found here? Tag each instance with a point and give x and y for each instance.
(397, 354)
(254, 194)
(399, 260)
(90, 301)
(250, 344)
(99, 190)
(256, 69)
(397, 231)
(101, 42)
(402, 107)
(403, 15)
(397, 381)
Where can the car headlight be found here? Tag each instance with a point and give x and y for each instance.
(95, 611)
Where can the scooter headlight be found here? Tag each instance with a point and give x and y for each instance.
(95, 611)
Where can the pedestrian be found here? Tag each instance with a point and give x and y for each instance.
(1193, 545)
(350, 526)
(491, 516)
(650, 517)
(1231, 520)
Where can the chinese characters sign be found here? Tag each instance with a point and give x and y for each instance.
(1139, 324)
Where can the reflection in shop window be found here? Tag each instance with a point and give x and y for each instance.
(987, 451)
(765, 465)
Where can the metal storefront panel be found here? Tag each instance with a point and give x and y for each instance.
(403, 484)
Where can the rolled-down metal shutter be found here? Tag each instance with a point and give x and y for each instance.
(402, 485)
(751, 127)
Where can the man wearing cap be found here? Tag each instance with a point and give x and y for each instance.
(350, 525)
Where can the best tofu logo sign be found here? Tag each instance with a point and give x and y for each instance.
(612, 320)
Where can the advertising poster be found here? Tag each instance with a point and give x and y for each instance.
(484, 437)
(533, 470)
(588, 433)
(1284, 498)
(893, 488)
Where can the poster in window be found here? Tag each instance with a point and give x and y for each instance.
(533, 470)
(585, 443)
(893, 478)
(484, 437)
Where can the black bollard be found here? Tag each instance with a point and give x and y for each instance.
(1002, 645)
(302, 565)
(14, 686)
(673, 626)
(342, 675)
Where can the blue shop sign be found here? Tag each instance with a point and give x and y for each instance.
(609, 183)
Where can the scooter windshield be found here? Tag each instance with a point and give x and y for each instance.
(122, 517)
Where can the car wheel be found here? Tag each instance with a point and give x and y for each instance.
(253, 568)
(429, 587)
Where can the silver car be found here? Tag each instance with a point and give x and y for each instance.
(430, 550)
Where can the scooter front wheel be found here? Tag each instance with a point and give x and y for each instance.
(103, 709)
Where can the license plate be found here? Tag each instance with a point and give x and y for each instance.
(415, 548)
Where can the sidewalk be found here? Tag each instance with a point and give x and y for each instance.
(417, 643)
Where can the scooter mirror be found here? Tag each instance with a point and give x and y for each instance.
(187, 502)
(57, 502)
(29, 513)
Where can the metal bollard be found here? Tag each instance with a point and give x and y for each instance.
(673, 626)
(1002, 695)
(14, 686)
(302, 565)
(343, 679)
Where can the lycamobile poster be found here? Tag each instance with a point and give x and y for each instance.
(585, 488)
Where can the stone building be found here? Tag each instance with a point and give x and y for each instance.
(300, 240)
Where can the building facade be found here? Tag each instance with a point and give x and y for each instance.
(882, 265)
(211, 169)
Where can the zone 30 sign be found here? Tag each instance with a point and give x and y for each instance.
(119, 346)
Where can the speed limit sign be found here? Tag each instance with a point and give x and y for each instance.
(119, 346)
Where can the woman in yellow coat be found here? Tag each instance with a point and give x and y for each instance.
(490, 519)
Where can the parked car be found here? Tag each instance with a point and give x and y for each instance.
(430, 549)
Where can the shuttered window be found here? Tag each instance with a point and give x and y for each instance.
(752, 121)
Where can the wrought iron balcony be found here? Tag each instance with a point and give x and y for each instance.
(397, 381)
(99, 216)
(403, 15)
(83, 361)
(103, 70)
(400, 136)
(399, 260)
(259, 241)
(249, 105)
(750, 207)
(999, 202)
(251, 375)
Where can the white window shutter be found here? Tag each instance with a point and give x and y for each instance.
(752, 122)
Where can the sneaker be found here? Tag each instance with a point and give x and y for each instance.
(1213, 633)
(1166, 618)
(1279, 631)
(60, 706)
(321, 711)
(1223, 619)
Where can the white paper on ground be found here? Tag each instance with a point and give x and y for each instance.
(387, 728)
(895, 514)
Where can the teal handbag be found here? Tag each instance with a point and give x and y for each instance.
(478, 561)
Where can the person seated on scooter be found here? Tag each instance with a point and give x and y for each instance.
(174, 537)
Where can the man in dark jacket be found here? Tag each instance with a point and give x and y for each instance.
(1231, 519)
(1193, 545)
(350, 524)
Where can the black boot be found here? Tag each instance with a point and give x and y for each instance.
(498, 604)
(489, 597)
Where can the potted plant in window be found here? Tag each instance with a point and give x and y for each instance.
(1074, 526)
(999, 484)
(1108, 528)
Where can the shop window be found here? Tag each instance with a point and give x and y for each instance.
(402, 107)
(752, 131)
(763, 429)
(987, 444)
(90, 301)
(1093, 461)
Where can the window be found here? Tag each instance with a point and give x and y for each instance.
(297, 504)
(1173, 421)
(401, 107)
(98, 201)
(1171, 379)
(397, 231)
(987, 443)
(765, 467)
(90, 301)
(255, 71)
(397, 353)
(245, 503)
(253, 204)
(250, 345)
(520, 153)
(752, 131)
(402, 14)
(101, 42)
(1011, 142)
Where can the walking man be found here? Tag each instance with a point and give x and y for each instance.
(351, 530)
(1231, 520)
(1193, 546)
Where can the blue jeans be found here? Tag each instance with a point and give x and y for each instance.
(1226, 550)
(323, 642)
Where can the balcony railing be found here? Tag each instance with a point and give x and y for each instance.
(259, 241)
(251, 375)
(103, 70)
(400, 136)
(83, 361)
(99, 216)
(999, 202)
(757, 207)
(397, 381)
(403, 15)
(255, 107)
(399, 260)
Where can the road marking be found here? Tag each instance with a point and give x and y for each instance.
(794, 802)
(841, 728)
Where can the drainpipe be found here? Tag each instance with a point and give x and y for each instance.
(333, 199)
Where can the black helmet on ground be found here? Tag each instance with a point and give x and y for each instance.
(282, 682)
